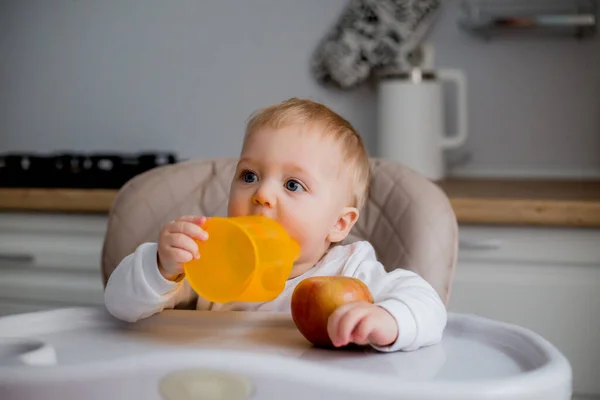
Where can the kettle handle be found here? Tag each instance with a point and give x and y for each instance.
(458, 78)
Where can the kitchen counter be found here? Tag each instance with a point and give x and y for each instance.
(475, 201)
(525, 202)
(56, 200)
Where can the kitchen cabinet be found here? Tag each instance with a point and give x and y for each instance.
(545, 279)
(50, 261)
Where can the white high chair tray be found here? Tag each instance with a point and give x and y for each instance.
(84, 353)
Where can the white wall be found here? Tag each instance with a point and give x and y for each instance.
(184, 75)
(181, 75)
(534, 103)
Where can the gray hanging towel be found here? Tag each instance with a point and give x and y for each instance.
(371, 34)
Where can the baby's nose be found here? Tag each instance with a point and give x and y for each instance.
(263, 202)
(264, 197)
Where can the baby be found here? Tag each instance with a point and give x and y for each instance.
(306, 167)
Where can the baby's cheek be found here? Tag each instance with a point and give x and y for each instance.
(236, 212)
(310, 236)
(298, 228)
(306, 221)
(237, 207)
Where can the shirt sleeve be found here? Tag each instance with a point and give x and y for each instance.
(419, 312)
(136, 289)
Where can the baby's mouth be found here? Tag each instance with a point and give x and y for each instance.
(265, 215)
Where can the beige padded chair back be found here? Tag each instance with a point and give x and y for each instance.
(407, 218)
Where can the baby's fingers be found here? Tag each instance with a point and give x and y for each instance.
(183, 242)
(189, 229)
(178, 256)
(363, 330)
(342, 322)
(194, 219)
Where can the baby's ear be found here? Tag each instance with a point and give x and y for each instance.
(344, 224)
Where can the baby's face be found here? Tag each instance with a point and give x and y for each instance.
(294, 175)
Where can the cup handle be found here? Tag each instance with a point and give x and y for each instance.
(458, 78)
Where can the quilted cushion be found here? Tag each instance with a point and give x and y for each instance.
(407, 218)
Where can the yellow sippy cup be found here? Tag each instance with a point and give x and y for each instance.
(244, 259)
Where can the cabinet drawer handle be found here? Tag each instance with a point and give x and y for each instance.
(17, 258)
(485, 244)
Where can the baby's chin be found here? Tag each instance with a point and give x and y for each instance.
(298, 270)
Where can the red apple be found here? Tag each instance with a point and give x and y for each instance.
(316, 298)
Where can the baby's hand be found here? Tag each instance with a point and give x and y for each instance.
(362, 323)
(176, 244)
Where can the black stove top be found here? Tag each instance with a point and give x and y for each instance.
(76, 170)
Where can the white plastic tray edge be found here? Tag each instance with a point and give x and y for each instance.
(555, 374)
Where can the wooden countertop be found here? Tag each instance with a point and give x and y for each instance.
(56, 200)
(475, 201)
(525, 202)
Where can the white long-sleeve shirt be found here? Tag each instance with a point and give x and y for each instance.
(136, 289)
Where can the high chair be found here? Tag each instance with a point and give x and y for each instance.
(180, 354)
(407, 218)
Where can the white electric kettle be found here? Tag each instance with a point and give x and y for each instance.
(411, 126)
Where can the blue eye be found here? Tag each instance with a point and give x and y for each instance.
(249, 177)
(293, 186)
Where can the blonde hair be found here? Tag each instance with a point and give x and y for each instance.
(308, 112)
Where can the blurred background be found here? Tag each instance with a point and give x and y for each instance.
(94, 92)
(183, 76)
